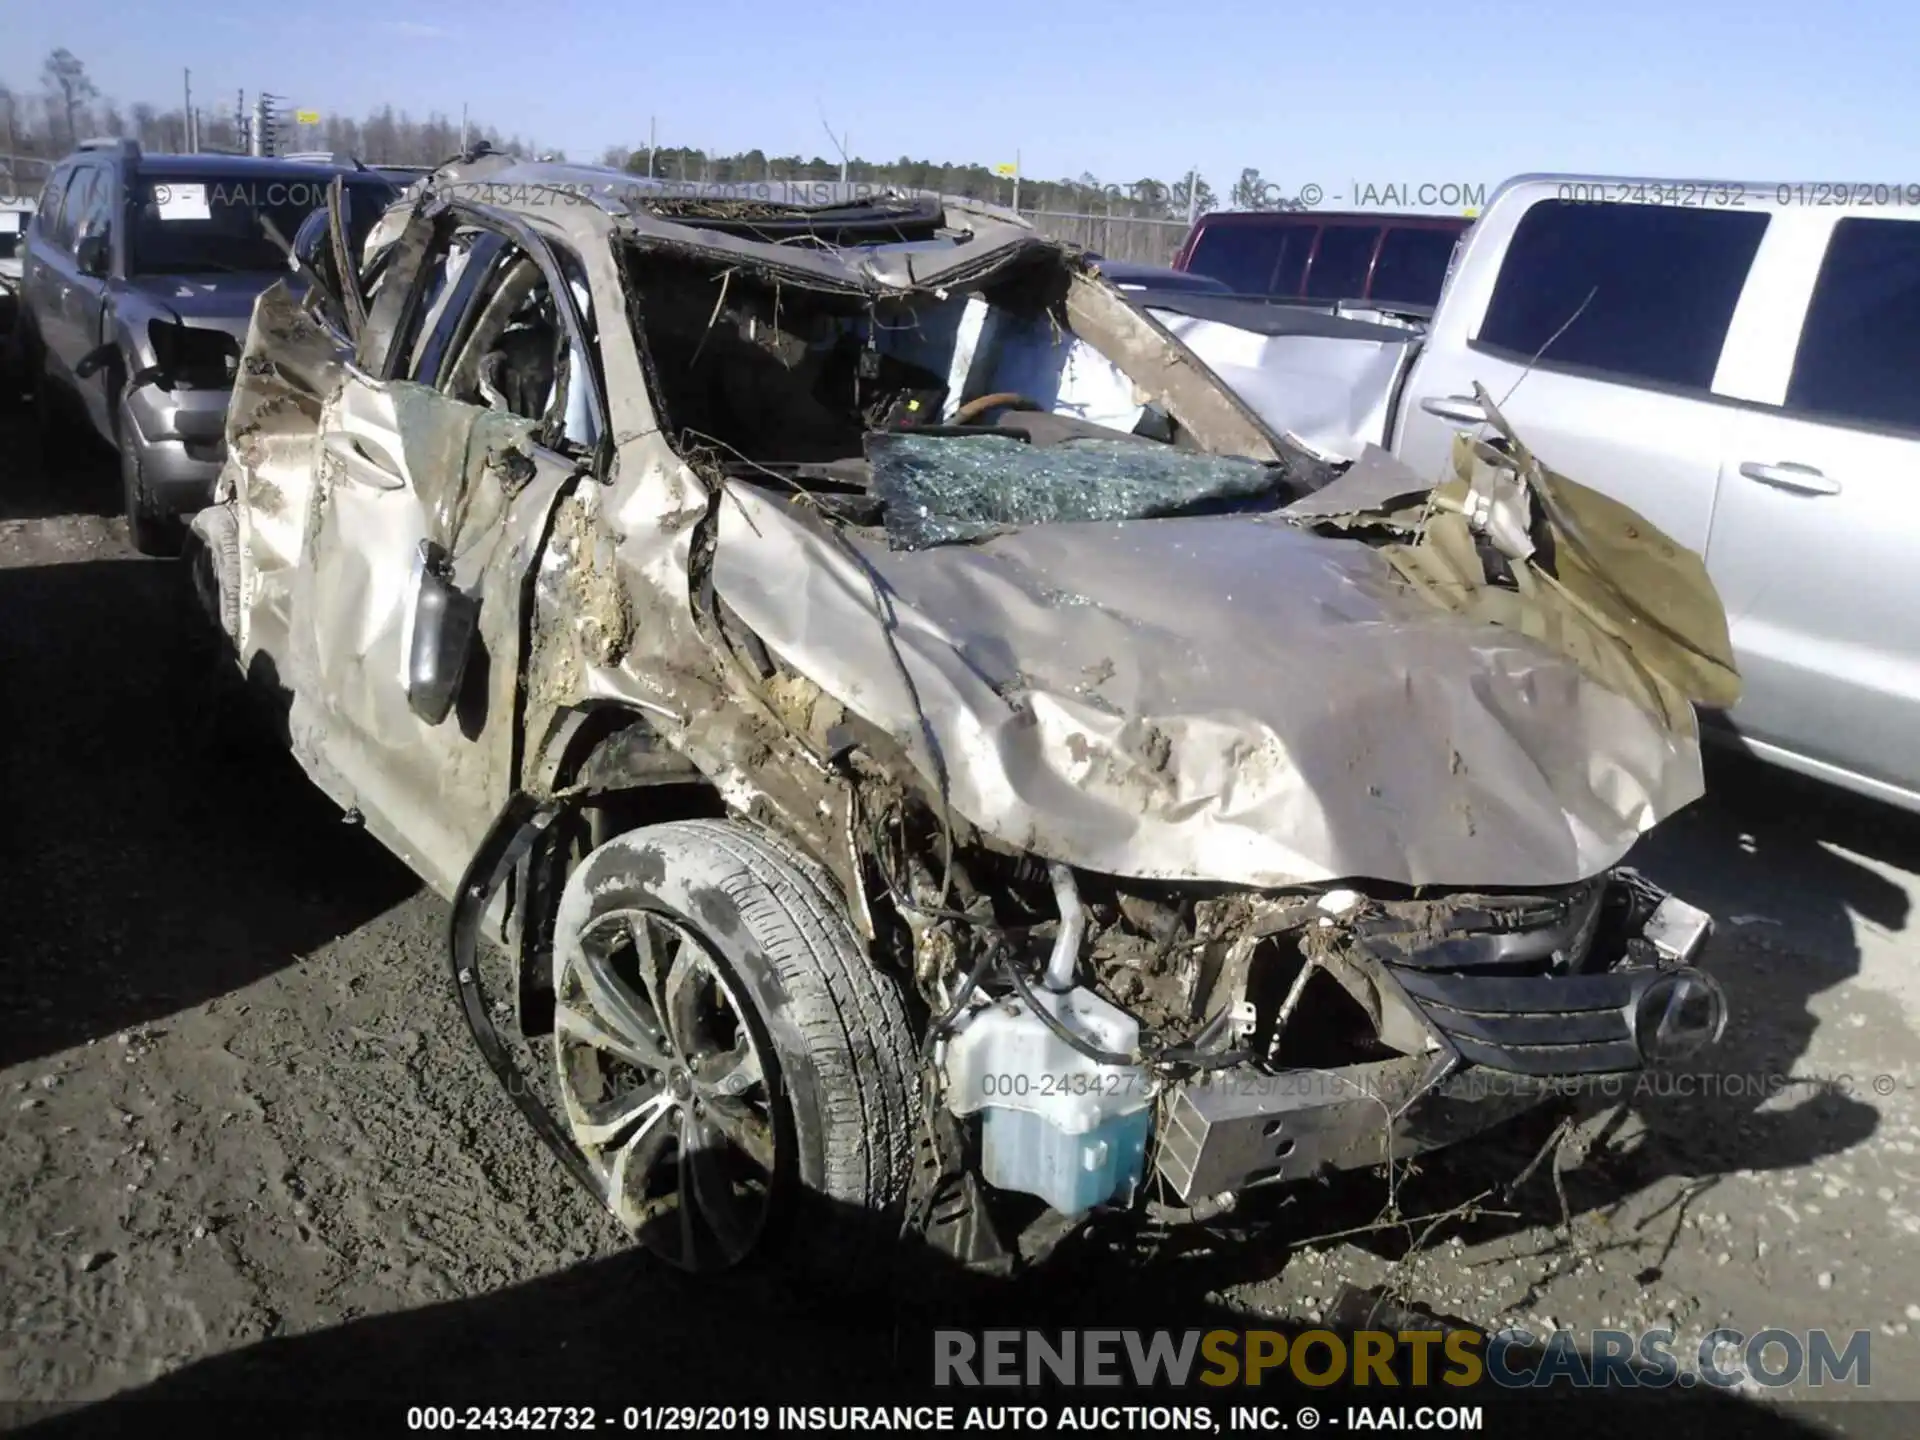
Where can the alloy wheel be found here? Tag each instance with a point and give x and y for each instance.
(665, 1079)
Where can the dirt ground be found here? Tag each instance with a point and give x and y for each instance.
(248, 1142)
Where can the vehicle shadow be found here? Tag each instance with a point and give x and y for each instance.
(623, 1331)
(1762, 854)
(66, 472)
(147, 872)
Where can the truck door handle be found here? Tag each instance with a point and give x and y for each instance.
(363, 461)
(1461, 409)
(1802, 479)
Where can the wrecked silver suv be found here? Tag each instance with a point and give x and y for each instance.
(924, 744)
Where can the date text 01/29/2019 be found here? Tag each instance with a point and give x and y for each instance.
(638, 1419)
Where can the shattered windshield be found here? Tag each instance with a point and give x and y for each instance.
(941, 490)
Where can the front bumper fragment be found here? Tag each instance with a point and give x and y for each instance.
(1624, 1018)
(1499, 1044)
(1238, 1128)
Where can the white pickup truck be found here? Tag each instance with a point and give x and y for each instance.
(1739, 362)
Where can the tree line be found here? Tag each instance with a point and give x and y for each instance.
(46, 121)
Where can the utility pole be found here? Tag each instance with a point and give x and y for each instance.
(188, 139)
(463, 127)
(653, 144)
(265, 135)
(1016, 181)
(1193, 193)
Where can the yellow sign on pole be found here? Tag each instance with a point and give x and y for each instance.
(1006, 169)
(307, 117)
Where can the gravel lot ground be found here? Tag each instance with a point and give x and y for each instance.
(240, 1106)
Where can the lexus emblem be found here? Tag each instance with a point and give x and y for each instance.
(1679, 1014)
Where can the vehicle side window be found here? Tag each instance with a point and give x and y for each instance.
(65, 225)
(1341, 264)
(1859, 352)
(94, 211)
(514, 352)
(451, 278)
(1253, 259)
(1645, 292)
(1412, 266)
(47, 217)
(580, 429)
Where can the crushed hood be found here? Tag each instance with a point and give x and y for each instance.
(1254, 700)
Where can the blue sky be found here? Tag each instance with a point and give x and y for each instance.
(1465, 91)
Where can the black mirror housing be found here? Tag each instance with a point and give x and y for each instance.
(445, 620)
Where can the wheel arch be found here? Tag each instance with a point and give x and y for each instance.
(619, 774)
(622, 776)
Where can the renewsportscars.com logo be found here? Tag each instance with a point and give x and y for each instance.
(1512, 1358)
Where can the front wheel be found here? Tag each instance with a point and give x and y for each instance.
(728, 1058)
(150, 534)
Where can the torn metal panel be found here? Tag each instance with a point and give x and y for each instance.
(1228, 699)
(288, 367)
(1377, 489)
(1333, 392)
(614, 620)
(565, 196)
(1167, 371)
(1627, 604)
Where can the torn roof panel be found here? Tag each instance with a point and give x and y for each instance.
(581, 199)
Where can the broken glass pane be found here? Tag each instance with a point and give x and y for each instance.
(950, 489)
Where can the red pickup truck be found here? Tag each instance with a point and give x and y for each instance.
(1315, 255)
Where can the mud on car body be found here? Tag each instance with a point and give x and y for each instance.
(923, 743)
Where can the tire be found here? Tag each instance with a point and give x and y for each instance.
(220, 714)
(151, 534)
(839, 1067)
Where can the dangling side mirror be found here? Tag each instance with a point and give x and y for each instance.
(444, 622)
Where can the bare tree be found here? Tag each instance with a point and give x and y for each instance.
(1194, 188)
(1250, 191)
(68, 85)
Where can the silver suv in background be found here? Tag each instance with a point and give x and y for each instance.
(139, 277)
(1739, 363)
